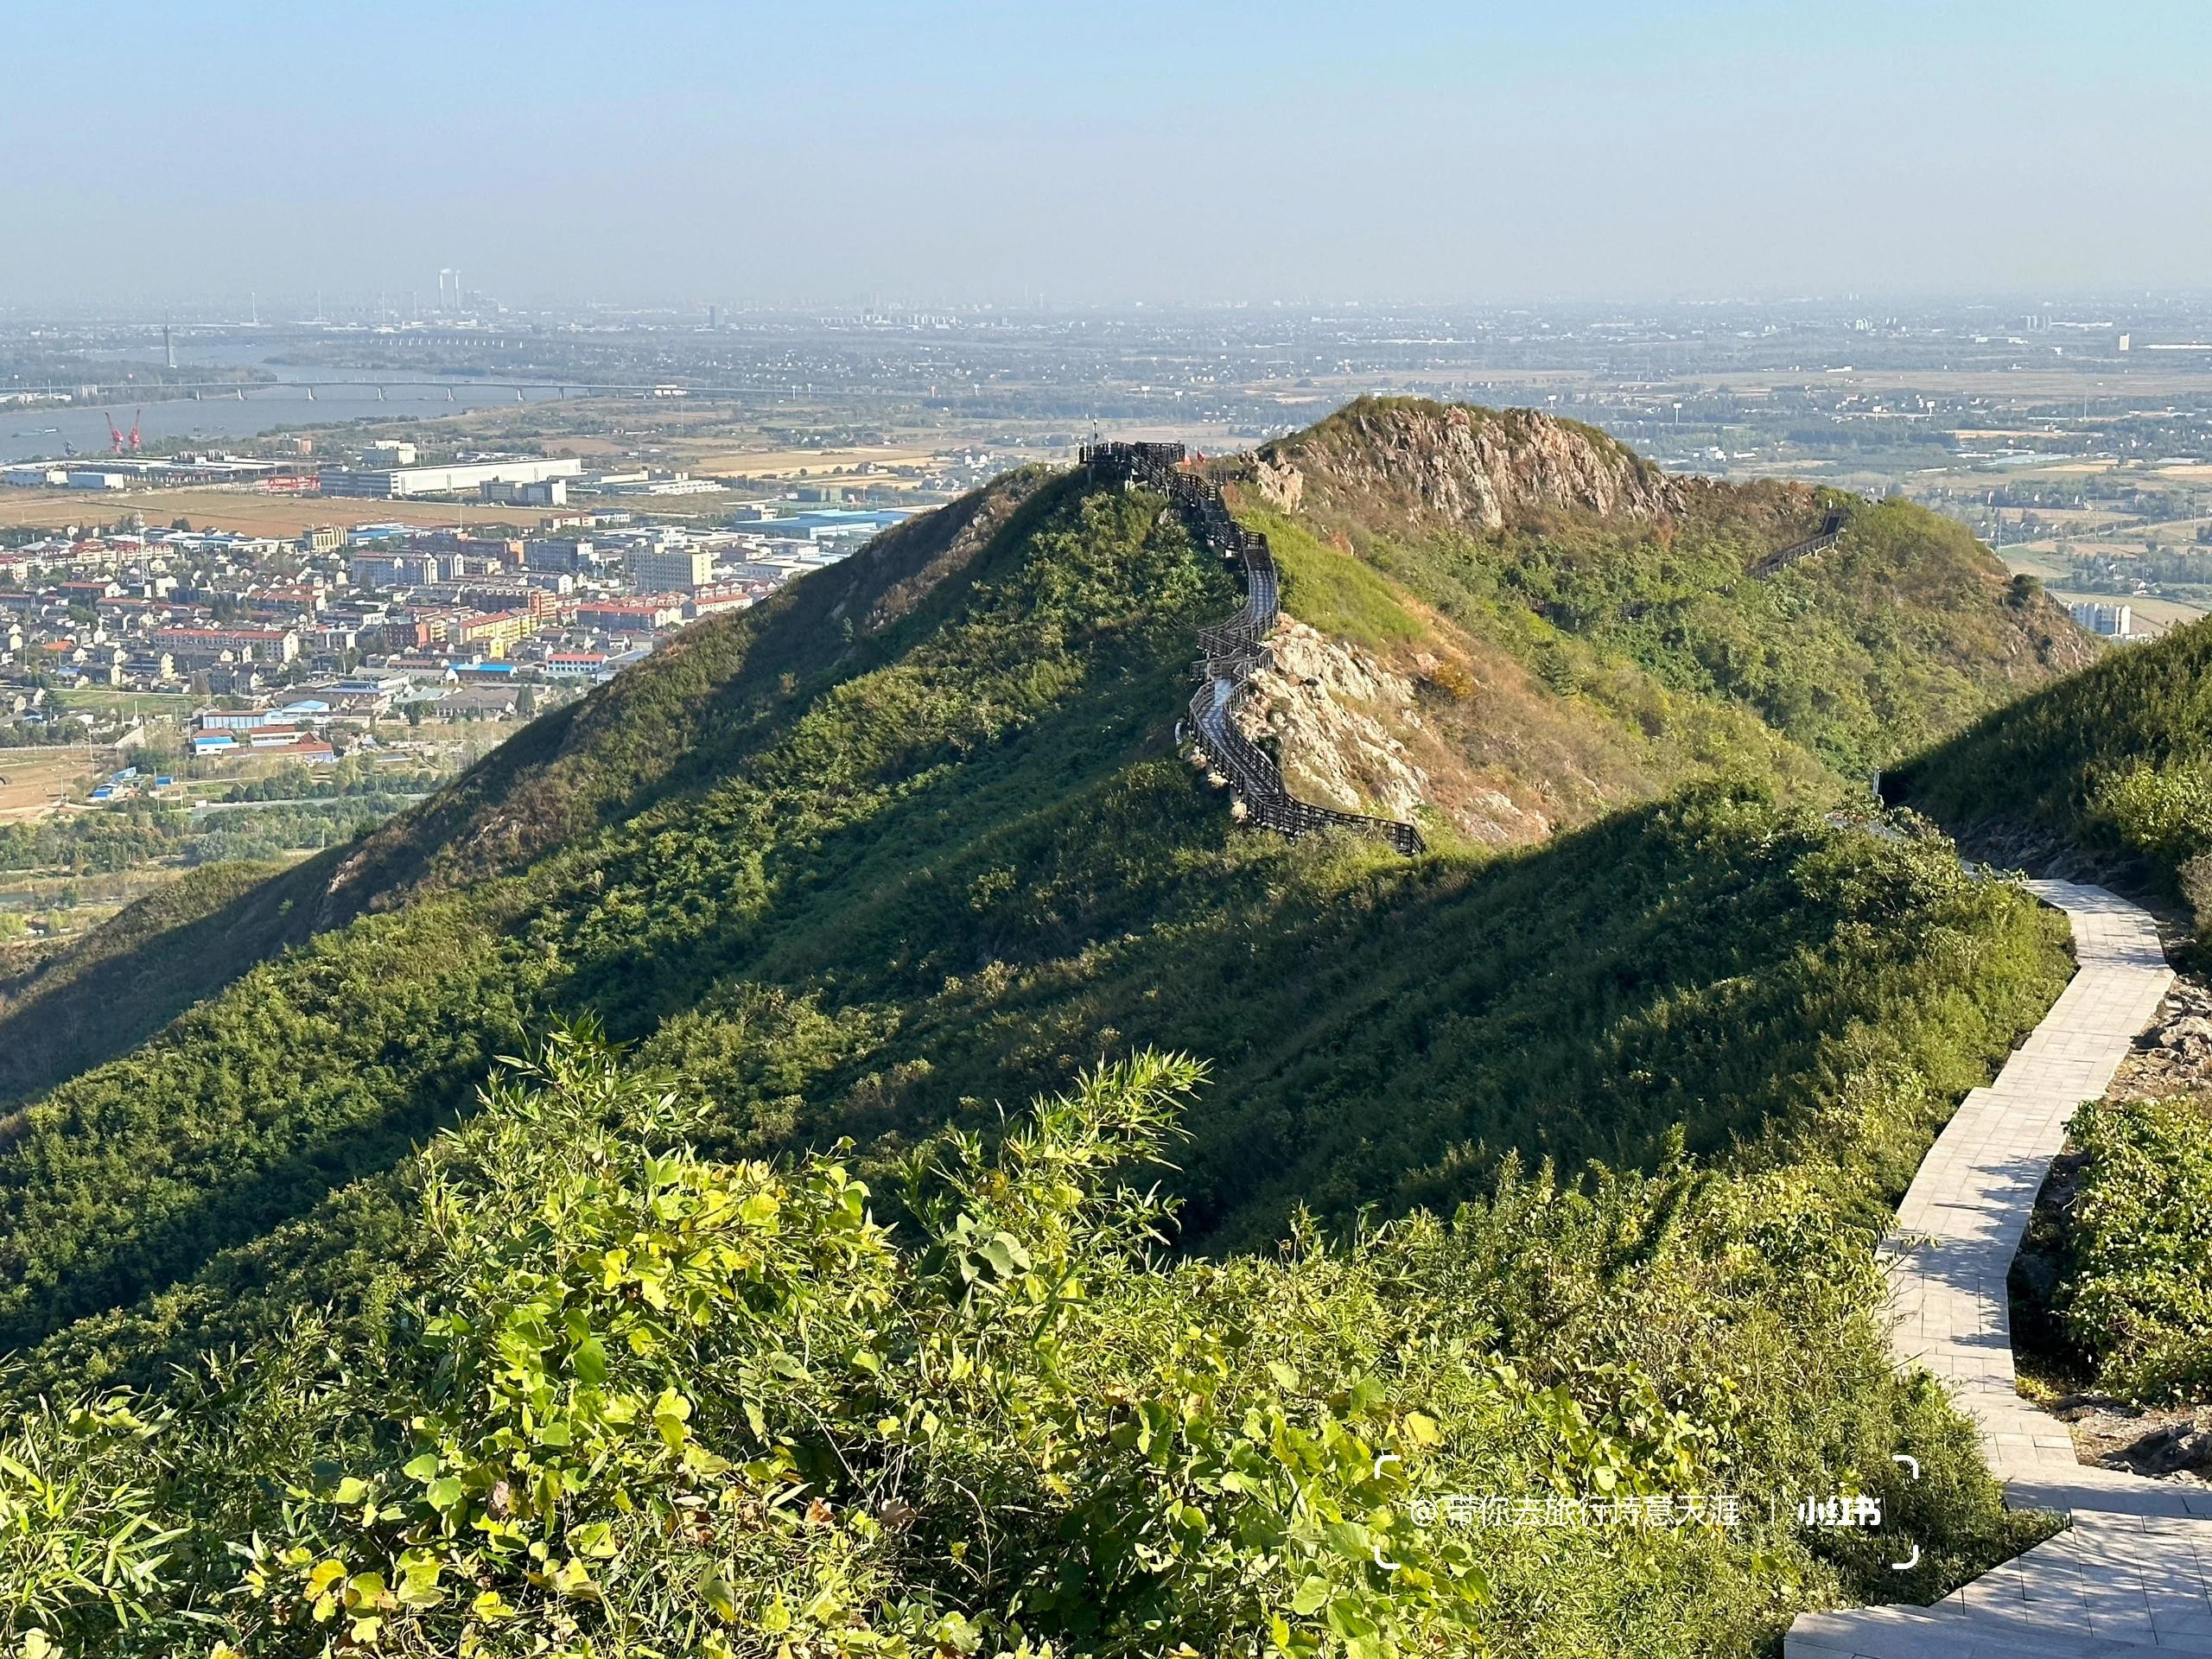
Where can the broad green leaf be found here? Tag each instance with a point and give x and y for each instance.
(1350, 1540)
(720, 1597)
(326, 1573)
(591, 1363)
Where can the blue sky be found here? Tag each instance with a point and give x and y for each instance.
(931, 152)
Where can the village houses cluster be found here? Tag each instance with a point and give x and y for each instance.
(283, 633)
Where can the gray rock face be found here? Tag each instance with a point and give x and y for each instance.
(2170, 1450)
(1474, 469)
(1325, 700)
(1341, 717)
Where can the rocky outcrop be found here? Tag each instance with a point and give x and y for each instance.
(1234, 652)
(1326, 703)
(1351, 733)
(1474, 470)
(1285, 486)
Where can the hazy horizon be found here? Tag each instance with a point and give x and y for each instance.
(856, 153)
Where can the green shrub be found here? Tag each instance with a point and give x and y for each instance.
(642, 1401)
(2137, 1295)
(2164, 812)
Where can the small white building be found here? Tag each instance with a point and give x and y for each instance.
(2112, 621)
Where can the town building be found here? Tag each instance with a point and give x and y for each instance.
(665, 569)
(397, 483)
(543, 493)
(496, 633)
(575, 666)
(630, 615)
(2112, 621)
(202, 646)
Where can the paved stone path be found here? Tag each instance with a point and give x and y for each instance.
(2134, 1571)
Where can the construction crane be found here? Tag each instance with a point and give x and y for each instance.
(136, 417)
(114, 435)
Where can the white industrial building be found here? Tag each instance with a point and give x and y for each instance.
(394, 483)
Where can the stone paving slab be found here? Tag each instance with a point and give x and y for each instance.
(2124, 1577)
(2133, 1573)
(1914, 1633)
(1961, 1221)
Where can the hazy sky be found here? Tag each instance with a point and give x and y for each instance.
(1115, 150)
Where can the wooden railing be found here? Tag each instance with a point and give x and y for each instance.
(1230, 652)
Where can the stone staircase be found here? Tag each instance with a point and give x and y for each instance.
(2133, 1571)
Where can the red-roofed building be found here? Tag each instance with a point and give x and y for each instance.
(575, 664)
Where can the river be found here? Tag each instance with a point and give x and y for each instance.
(39, 431)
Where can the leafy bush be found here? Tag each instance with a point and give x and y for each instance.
(2164, 812)
(643, 1401)
(2138, 1293)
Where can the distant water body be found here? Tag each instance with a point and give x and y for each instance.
(39, 431)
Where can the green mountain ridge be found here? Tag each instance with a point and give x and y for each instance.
(911, 840)
(1628, 590)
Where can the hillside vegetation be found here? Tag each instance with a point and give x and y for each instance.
(2116, 761)
(2136, 1296)
(2113, 768)
(1586, 625)
(376, 1341)
(128, 978)
(612, 1395)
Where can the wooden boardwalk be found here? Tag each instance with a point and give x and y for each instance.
(2134, 1571)
(1234, 649)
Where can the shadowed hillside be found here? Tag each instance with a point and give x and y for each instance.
(123, 982)
(566, 774)
(2110, 770)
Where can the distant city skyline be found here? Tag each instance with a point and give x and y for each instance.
(829, 154)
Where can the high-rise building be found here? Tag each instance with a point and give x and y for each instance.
(670, 569)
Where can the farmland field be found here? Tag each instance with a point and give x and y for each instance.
(32, 779)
